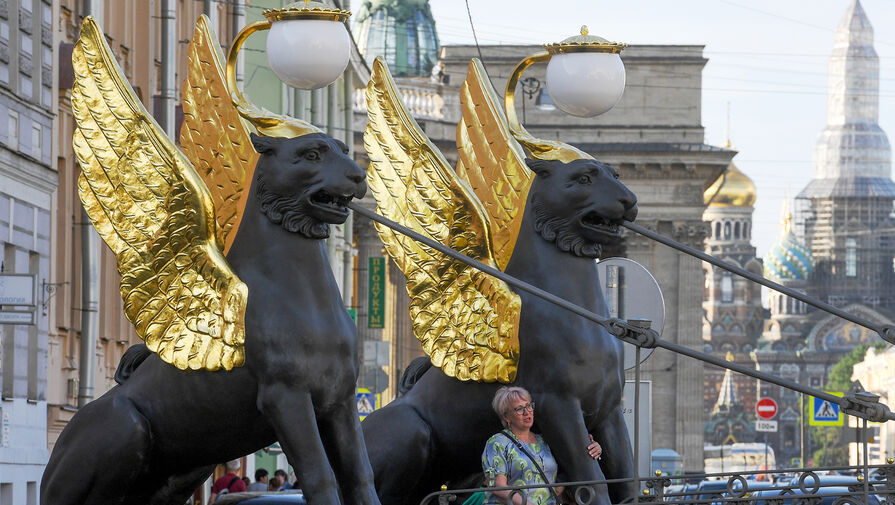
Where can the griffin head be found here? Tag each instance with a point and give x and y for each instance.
(305, 183)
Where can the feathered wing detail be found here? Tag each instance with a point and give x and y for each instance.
(491, 161)
(467, 321)
(214, 137)
(153, 210)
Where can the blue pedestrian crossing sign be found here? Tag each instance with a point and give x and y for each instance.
(825, 412)
(366, 402)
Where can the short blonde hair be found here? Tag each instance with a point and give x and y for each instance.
(505, 395)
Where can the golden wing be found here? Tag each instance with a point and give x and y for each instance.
(153, 210)
(214, 137)
(466, 320)
(491, 161)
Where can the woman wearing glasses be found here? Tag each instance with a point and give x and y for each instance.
(516, 456)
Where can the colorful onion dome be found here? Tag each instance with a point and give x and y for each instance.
(788, 259)
(732, 189)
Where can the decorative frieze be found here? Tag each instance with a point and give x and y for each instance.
(4, 9)
(691, 233)
(46, 76)
(4, 52)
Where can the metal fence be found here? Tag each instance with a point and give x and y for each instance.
(872, 484)
(855, 485)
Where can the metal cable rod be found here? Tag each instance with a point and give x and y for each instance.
(509, 279)
(645, 337)
(885, 332)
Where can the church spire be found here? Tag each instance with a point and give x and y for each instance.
(852, 144)
(727, 395)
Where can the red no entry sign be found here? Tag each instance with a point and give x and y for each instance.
(766, 408)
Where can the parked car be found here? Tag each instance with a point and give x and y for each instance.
(710, 490)
(288, 497)
(828, 496)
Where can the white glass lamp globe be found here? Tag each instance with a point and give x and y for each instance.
(586, 84)
(585, 76)
(308, 53)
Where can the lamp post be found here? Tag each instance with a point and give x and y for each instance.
(531, 86)
(308, 48)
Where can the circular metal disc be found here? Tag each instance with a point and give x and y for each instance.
(632, 292)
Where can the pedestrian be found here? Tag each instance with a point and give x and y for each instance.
(281, 480)
(516, 456)
(260, 483)
(230, 482)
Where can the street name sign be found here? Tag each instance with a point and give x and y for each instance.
(17, 289)
(17, 299)
(766, 426)
(766, 408)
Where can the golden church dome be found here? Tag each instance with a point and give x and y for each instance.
(732, 189)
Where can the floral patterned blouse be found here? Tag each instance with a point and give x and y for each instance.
(502, 457)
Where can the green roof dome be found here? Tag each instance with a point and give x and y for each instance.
(788, 259)
(400, 31)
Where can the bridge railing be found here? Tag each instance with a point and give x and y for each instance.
(854, 485)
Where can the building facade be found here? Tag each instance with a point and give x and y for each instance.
(732, 309)
(844, 214)
(28, 174)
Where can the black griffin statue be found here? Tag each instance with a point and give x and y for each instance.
(562, 215)
(155, 437)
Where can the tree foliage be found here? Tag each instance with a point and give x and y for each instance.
(836, 452)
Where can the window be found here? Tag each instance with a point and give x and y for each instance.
(736, 230)
(727, 230)
(36, 144)
(26, 46)
(851, 257)
(25, 86)
(789, 435)
(726, 288)
(13, 134)
(718, 235)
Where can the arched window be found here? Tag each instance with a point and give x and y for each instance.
(727, 230)
(718, 235)
(780, 304)
(746, 230)
(736, 230)
(726, 287)
(851, 257)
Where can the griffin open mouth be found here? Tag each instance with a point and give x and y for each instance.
(330, 203)
(595, 222)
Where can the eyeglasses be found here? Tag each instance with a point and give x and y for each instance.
(521, 409)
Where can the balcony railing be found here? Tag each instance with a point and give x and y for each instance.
(423, 100)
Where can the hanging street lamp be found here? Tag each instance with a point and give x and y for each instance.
(585, 75)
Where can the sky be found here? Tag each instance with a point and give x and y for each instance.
(767, 59)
